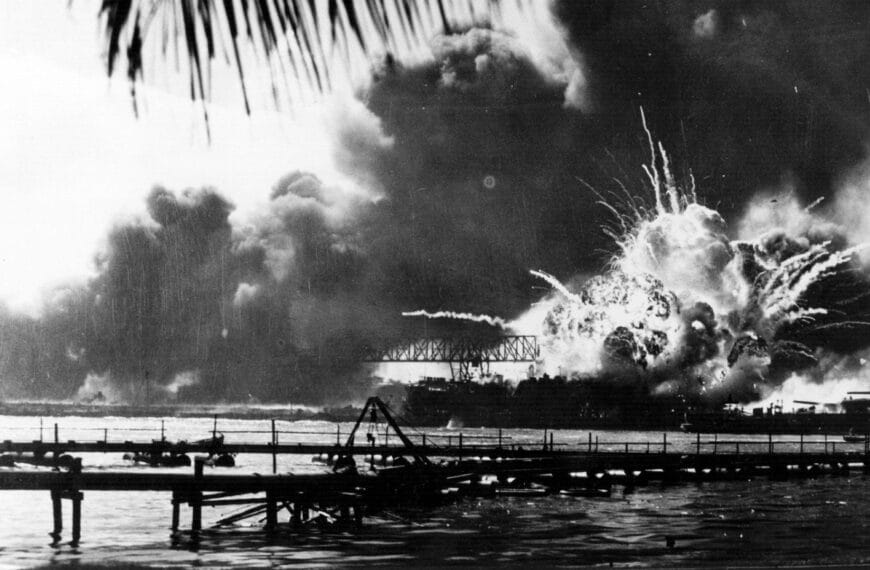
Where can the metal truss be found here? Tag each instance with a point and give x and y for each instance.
(465, 352)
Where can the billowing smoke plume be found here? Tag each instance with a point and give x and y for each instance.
(490, 160)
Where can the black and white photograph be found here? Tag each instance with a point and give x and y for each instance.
(434, 283)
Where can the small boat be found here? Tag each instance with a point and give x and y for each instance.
(587, 492)
(159, 459)
(216, 439)
(520, 492)
(854, 438)
(221, 460)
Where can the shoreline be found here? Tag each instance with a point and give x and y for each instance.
(229, 411)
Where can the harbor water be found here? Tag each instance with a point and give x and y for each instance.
(755, 522)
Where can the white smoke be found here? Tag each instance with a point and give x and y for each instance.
(494, 321)
(182, 380)
(244, 294)
(99, 389)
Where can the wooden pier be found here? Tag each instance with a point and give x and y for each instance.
(420, 473)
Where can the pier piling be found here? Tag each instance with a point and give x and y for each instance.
(76, 497)
(274, 449)
(57, 515)
(176, 506)
(195, 499)
(271, 512)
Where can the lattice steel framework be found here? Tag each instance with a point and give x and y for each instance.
(465, 353)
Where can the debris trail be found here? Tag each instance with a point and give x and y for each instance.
(494, 321)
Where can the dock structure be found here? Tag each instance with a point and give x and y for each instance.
(419, 473)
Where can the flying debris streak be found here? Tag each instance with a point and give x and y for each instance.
(556, 284)
(494, 321)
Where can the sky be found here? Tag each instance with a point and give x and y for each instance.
(75, 160)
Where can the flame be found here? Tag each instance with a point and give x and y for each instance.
(677, 297)
(684, 308)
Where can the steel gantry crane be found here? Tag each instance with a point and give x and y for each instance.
(460, 353)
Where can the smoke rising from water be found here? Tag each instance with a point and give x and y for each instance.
(487, 161)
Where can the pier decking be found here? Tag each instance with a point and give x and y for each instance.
(353, 488)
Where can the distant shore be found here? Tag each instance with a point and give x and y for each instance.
(233, 411)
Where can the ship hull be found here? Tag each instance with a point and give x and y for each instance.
(796, 424)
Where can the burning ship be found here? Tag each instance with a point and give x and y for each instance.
(545, 402)
(689, 314)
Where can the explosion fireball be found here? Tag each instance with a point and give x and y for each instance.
(689, 311)
(698, 313)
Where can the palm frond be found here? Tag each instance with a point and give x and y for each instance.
(296, 34)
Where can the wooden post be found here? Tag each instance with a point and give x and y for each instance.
(770, 443)
(698, 443)
(826, 444)
(596, 444)
(162, 430)
(274, 450)
(551, 442)
(176, 503)
(337, 434)
(460, 442)
(499, 438)
(57, 515)
(715, 443)
(424, 440)
(626, 448)
(545, 439)
(271, 511)
(196, 496)
(802, 444)
(56, 441)
(40, 430)
(196, 519)
(590, 442)
(77, 497)
(664, 442)
(737, 447)
(105, 435)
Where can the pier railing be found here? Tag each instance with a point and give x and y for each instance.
(288, 439)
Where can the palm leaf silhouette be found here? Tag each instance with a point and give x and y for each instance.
(294, 33)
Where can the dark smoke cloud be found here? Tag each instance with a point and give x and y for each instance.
(765, 88)
(473, 164)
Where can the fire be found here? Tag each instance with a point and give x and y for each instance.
(685, 306)
(688, 310)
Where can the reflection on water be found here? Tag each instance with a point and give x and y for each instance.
(757, 522)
